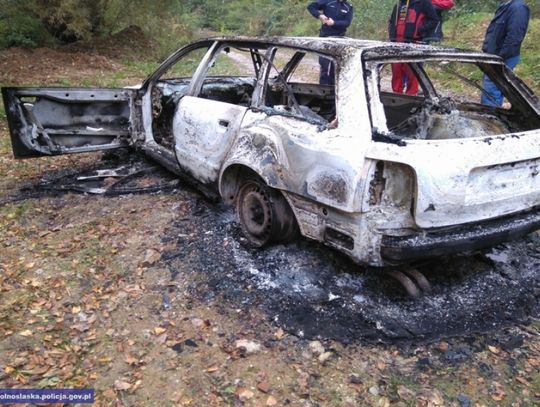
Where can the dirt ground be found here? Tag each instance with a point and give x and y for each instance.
(154, 298)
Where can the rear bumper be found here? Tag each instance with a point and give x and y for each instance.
(460, 239)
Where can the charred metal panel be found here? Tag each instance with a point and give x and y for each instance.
(292, 155)
(296, 155)
(453, 240)
(330, 183)
(60, 121)
(468, 180)
(204, 131)
(355, 234)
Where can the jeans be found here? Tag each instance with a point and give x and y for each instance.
(496, 97)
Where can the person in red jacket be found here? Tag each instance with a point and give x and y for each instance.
(440, 6)
(411, 21)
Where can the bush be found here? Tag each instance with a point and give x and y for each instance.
(22, 30)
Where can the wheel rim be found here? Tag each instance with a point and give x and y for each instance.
(255, 213)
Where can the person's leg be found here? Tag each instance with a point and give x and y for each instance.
(512, 62)
(397, 78)
(412, 82)
(326, 76)
(332, 74)
(492, 96)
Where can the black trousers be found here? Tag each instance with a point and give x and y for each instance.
(327, 74)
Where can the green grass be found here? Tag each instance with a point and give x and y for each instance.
(17, 212)
(393, 385)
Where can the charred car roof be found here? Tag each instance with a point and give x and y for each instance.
(370, 48)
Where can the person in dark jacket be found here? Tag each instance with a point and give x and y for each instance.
(440, 6)
(335, 16)
(504, 36)
(411, 21)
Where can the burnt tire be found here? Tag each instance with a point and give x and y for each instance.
(264, 214)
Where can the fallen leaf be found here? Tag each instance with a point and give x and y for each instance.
(197, 322)
(9, 369)
(159, 330)
(136, 385)
(151, 256)
(324, 357)
(316, 348)
(245, 394)
(213, 368)
(120, 385)
(131, 360)
(497, 396)
(431, 398)
(109, 393)
(249, 346)
(522, 381)
(497, 392)
(264, 387)
(21, 378)
(443, 346)
(76, 309)
(279, 334)
(105, 359)
(494, 349)
(171, 364)
(37, 371)
(271, 401)
(26, 332)
(404, 393)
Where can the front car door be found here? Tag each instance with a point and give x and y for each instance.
(52, 121)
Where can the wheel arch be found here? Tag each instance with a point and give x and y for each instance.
(231, 178)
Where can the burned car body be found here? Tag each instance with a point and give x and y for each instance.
(383, 177)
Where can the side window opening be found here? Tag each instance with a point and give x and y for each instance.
(447, 103)
(294, 87)
(232, 75)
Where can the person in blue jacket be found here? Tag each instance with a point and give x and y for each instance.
(504, 36)
(335, 16)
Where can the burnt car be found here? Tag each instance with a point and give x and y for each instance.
(384, 177)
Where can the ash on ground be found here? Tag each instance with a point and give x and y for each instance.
(315, 292)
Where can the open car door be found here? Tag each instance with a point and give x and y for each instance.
(52, 121)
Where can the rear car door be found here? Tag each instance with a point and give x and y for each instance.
(52, 121)
(207, 122)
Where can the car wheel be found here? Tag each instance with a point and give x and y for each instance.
(264, 214)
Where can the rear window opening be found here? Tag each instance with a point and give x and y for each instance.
(441, 99)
